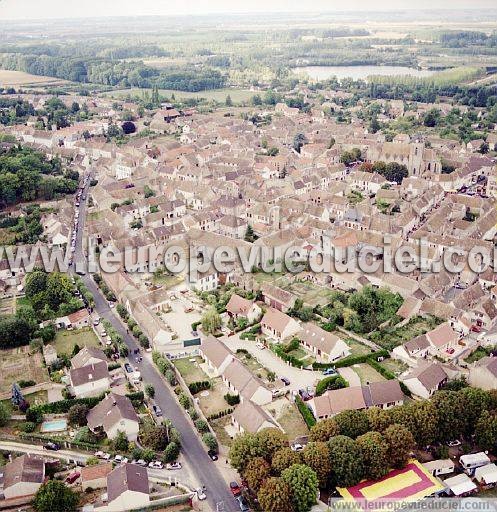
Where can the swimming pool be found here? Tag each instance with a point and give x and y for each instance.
(54, 426)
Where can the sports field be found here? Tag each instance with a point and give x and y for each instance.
(409, 484)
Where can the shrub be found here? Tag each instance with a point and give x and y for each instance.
(210, 441)
(196, 387)
(331, 382)
(202, 426)
(184, 400)
(232, 399)
(27, 426)
(26, 383)
(171, 452)
(306, 413)
(192, 412)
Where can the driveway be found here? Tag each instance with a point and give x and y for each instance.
(350, 376)
(298, 378)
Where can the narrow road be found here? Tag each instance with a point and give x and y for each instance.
(79, 457)
(205, 470)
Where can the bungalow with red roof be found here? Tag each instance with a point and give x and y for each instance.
(279, 326)
(239, 307)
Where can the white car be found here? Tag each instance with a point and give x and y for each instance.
(201, 494)
(297, 447)
(260, 345)
(118, 458)
(157, 464)
(174, 465)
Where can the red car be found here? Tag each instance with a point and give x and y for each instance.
(235, 489)
(73, 477)
(476, 328)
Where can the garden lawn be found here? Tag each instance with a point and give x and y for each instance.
(190, 371)
(367, 373)
(292, 422)
(66, 340)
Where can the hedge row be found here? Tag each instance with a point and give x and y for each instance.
(63, 406)
(332, 382)
(306, 413)
(280, 352)
(220, 414)
(137, 395)
(201, 385)
(45, 439)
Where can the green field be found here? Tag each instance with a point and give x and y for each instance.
(237, 95)
(65, 340)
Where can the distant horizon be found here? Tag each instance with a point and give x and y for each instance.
(12, 10)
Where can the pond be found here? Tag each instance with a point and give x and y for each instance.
(359, 72)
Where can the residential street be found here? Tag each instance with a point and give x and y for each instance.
(194, 452)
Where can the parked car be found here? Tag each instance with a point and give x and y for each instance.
(329, 371)
(242, 504)
(235, 489)
(139, 462)
(157, 410)
(212, 454)
(455, 442)
(73, 477)
(304, 395)
(201, 494)
(285, 381)
(128, 368)
(260, 345)
(174, 465)
(157, 464)
(476, 328)
(297, 447)
(51, 446)
(120, 459)
(96, 321)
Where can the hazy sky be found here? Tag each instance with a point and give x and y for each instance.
(33, 9)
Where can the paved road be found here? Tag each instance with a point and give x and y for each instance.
(204, 469)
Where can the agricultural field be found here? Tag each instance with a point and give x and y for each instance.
(20, 79)
(237, 95)
(19, 363)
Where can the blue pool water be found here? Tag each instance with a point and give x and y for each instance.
(54, 426)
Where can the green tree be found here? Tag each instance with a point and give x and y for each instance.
(450, 415)
(211, 321)
(210, 441)
(150, 390)
(120, 442)
(316, 455)
(4, 414)
(55, 496)
(474, 402)
(171, 453)
(400, 442)
(346, 461)
(270, 441)
(423, 421)
(379, 419)
(324, 430)
(275, 496)
(284, 458)
(229, 101)
(374, 455)
(77, 415)
(303, 484)
(244, 448)
(256, 472)
(352, 423)
(486, 431)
